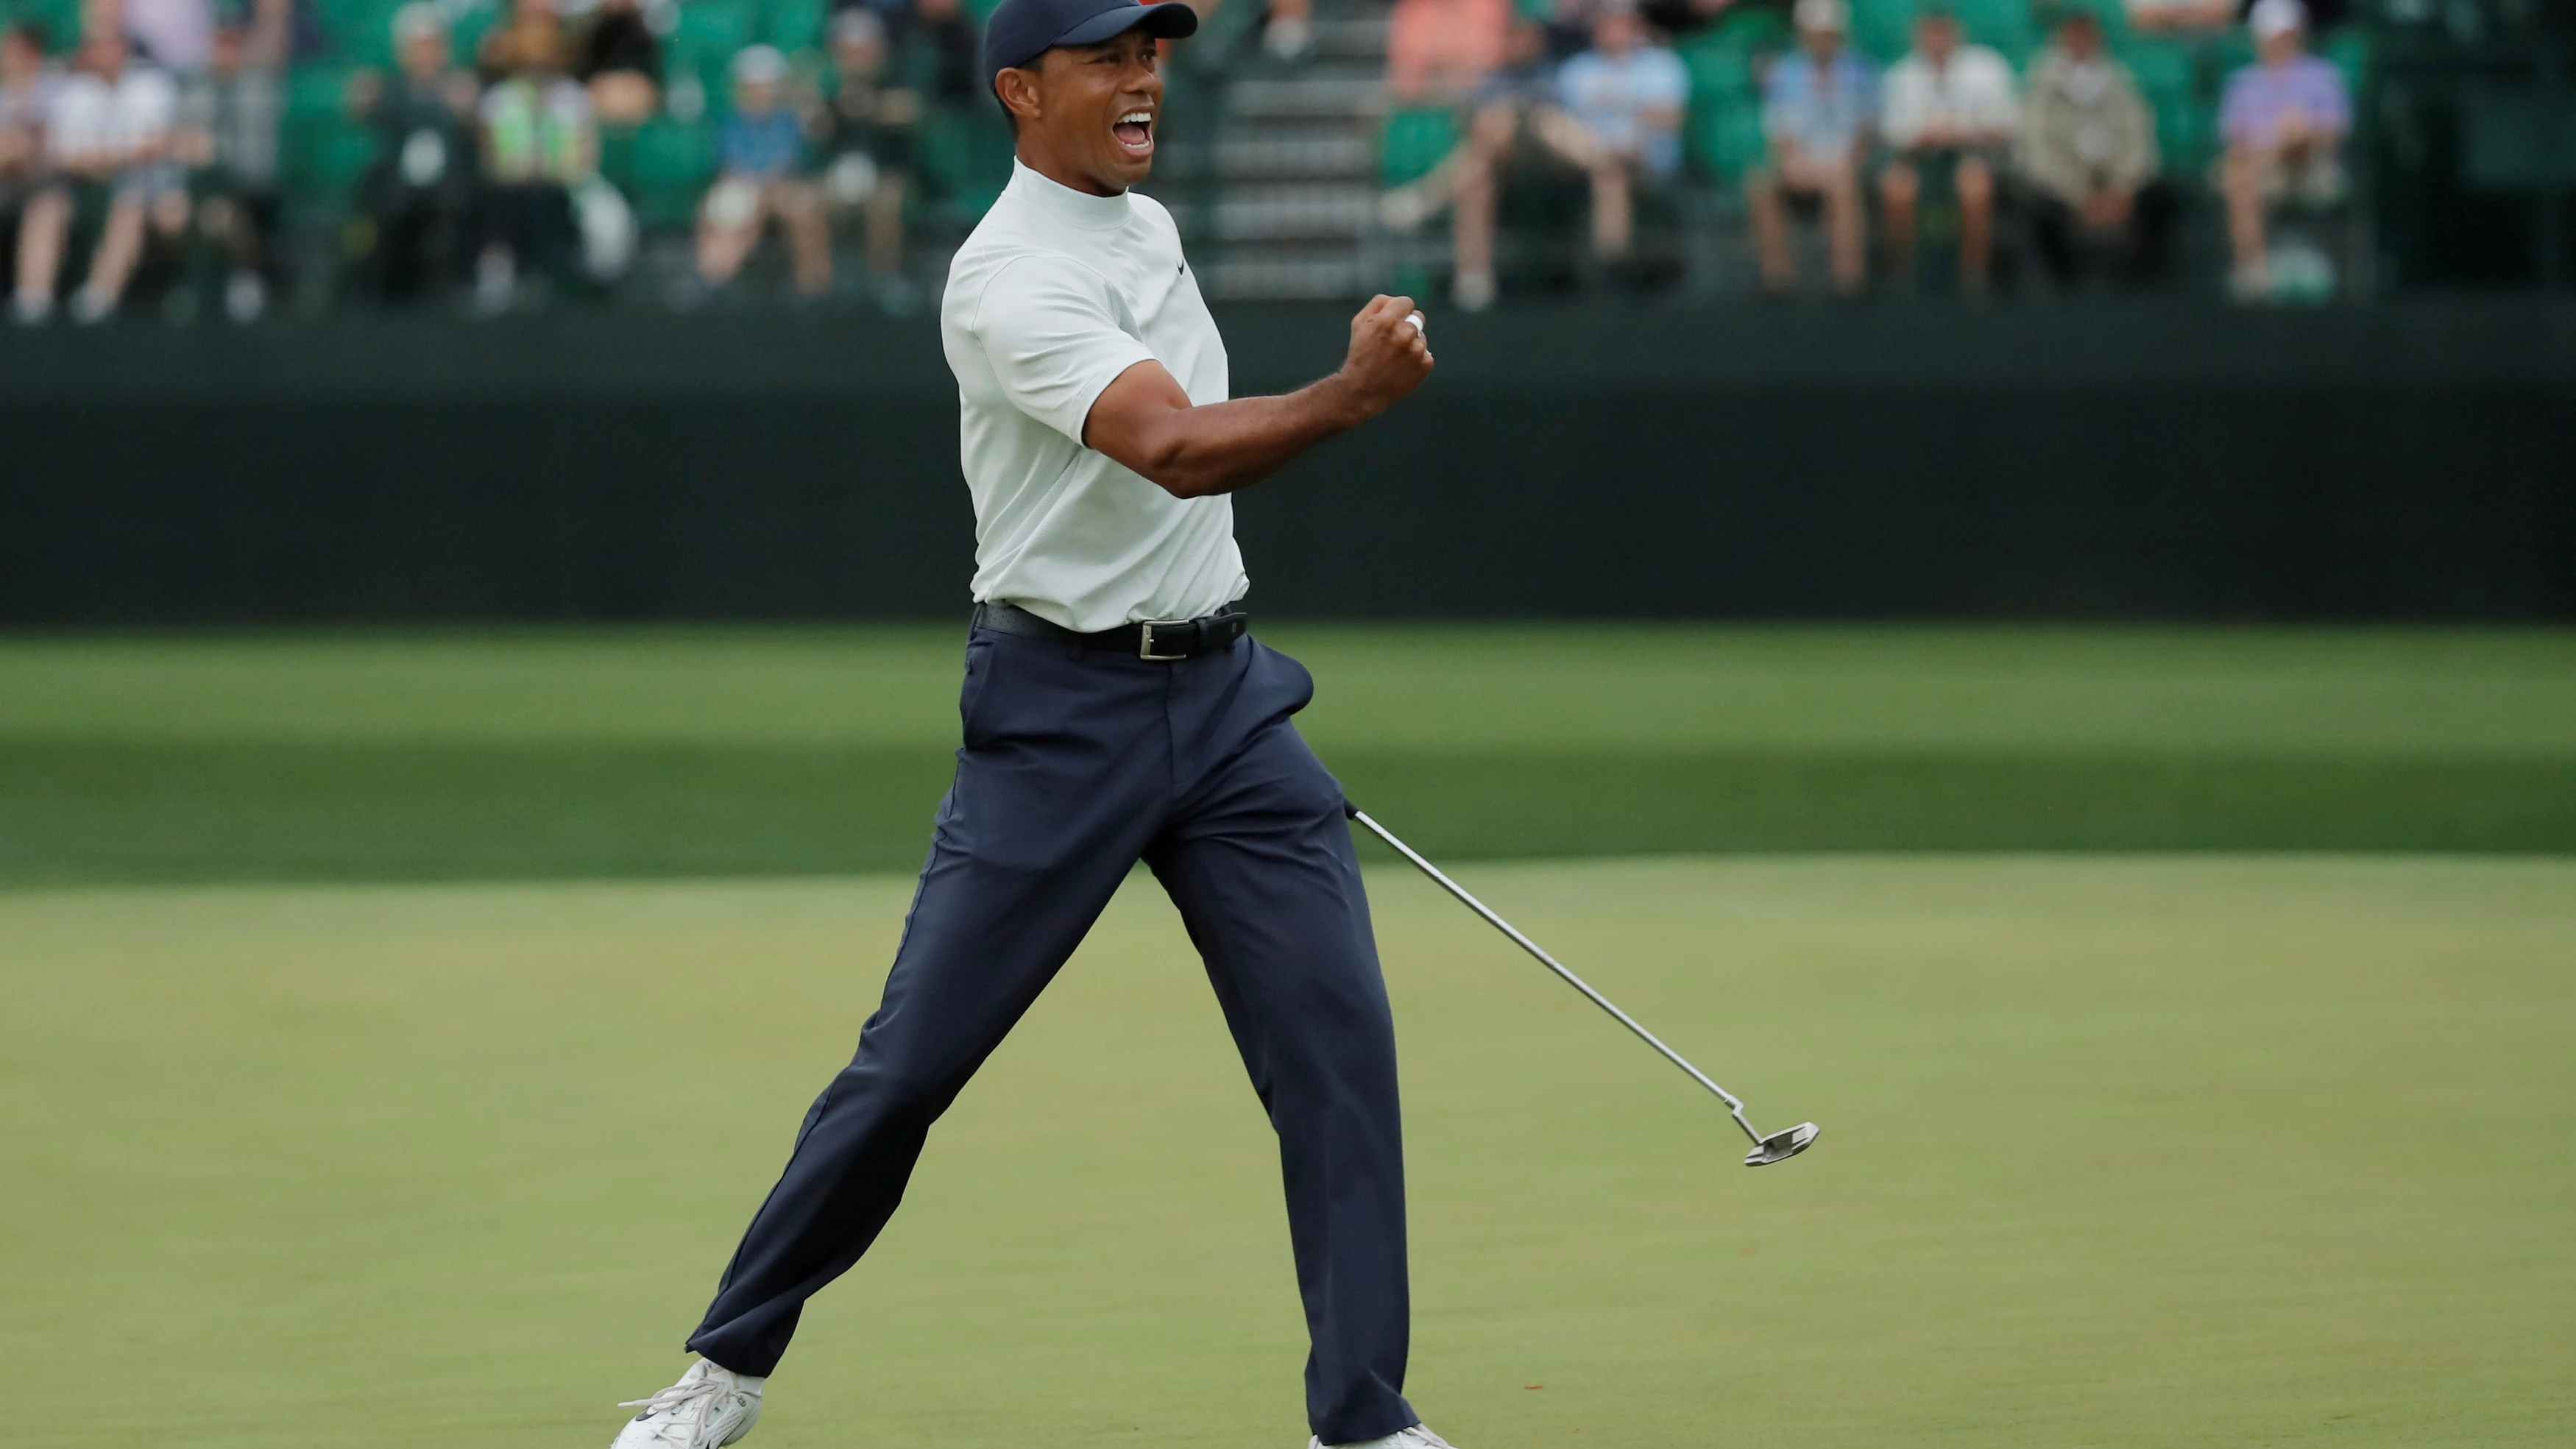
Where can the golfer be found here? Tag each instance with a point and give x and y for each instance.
(1116, 708)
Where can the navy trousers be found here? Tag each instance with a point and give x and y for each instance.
(1076, 765)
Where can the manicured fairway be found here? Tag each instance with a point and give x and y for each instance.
(2118, 1151)
(751, 752)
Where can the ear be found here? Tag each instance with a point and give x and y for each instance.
(1017, 89)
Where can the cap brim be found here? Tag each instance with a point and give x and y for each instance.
(1168, 21)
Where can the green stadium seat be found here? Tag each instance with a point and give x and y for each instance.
(1882, 29)
(1719, 73)
(1413, 141)
(1727, 139)
(794, 25)
(2167, 72)
(323, 156)
(965, 159)
(2004, 24)
(708, 35)
(667, 165)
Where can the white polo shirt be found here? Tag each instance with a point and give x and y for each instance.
(1055, 294)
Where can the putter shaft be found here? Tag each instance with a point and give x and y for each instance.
(1734, 1107)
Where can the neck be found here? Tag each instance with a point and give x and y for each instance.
(1043, 160)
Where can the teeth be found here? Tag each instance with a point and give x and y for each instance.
(1142, 118)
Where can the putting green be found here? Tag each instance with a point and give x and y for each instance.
(763, 752)
(2185, 1151)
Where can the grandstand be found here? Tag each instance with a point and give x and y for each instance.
(1272, 165)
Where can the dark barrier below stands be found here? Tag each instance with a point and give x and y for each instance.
(2113, 462)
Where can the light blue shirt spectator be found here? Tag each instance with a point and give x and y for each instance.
(1821, 109)
(2260, 96)
(1613, 96)
(771, 144)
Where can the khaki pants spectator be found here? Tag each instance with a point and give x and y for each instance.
(738, 208)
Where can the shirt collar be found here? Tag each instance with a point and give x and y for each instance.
(1063, 203)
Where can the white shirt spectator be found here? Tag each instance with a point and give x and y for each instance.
(1973, 92)
(1611, 96)
(1055, 294)
(90, 120)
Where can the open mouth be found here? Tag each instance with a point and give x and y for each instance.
(1135, 132)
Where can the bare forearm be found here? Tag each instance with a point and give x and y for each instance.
(1194, 452)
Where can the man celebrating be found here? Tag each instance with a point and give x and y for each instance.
(1115, 709)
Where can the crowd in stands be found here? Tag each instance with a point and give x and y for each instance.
(497, 154)
(2070, 146)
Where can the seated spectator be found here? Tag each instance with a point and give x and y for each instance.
(1622, 106)
(107, 133)
(530, 40)
(1948, 114)
(26, 87)
(538, 141)
(2181, 17)
(2284, 119)
(1469, 53)
(761, 152)
(2088, 159)
(1819, 105)
(937, 55)
(619, 59)
(230, 117)
(1288, 29)
(868, 130)
(1443, 52)
(418, 193)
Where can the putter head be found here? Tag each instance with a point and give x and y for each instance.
(1781, 1146)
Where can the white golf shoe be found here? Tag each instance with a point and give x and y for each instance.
(1417, 1437)
(708, 1407)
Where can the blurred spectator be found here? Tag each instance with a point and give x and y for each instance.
(2181, 17)
(229, 119)
(868, 131)
(107, 134)
(938, 48)
(529, 41)
(1443, 52)
(2284, 118)
(1470, 54)
(538, 142)
(761, 152)
(419, 192)
(1820, 103)
(1288, 29)
(2088, 158)
(174, 35)
(620, 59)
(1622, 102)
(1949, 115)
(26, 88)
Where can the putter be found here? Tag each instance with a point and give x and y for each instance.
(1778, 1147)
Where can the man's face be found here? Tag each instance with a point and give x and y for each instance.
(754, 97)
(1821, 43)
(103, 53)
(2081, 39)
(2279, 48)
(1936, 36)
(858, 58)
(424, 54)
(1614, 32)
(226, 56)
(1096, 107)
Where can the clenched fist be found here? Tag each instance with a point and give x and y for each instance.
(1389, 355)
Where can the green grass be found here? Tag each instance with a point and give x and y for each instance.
(395, 757)
(2172, 1151)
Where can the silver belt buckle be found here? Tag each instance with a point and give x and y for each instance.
(1145, 640)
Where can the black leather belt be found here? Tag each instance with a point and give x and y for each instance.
(1161, 640)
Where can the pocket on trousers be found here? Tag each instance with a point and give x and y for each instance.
(979, 672)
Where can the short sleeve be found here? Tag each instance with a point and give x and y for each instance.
(1047, 328)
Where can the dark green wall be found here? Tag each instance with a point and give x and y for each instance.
(2110, 461)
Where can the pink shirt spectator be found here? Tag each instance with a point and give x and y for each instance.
(1443, 48)
(2259, 96)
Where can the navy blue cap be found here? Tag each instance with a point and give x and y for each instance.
(1022, 30)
